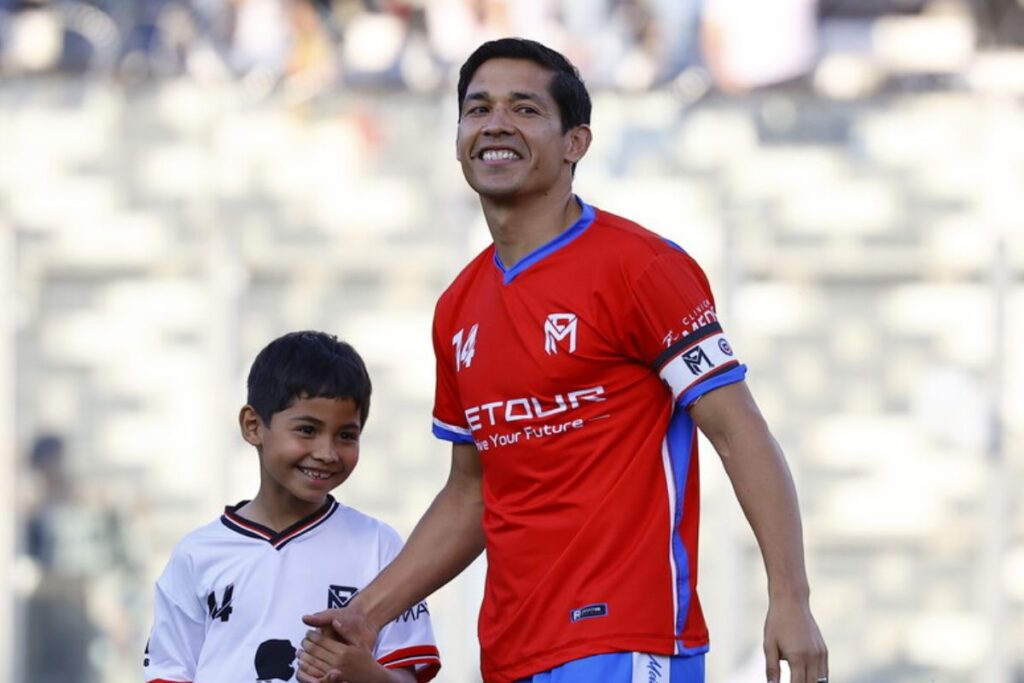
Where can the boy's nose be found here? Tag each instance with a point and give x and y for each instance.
(325, 453)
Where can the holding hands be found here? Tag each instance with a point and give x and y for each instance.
(340, 650)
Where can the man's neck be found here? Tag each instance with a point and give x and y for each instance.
(519, 228)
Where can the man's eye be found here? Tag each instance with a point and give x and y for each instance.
(527, 110)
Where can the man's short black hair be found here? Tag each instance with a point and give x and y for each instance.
(566, 88)
(307, 364)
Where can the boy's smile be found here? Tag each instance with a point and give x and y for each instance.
(307, 450)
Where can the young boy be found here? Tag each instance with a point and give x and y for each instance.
(228, 605)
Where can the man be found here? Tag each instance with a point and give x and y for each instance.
(576, 357)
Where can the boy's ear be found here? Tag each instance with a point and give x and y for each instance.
(250, 422)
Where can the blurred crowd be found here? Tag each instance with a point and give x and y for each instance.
(307, 46)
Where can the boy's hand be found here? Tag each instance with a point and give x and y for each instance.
(323, 659)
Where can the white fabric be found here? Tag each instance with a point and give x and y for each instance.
(272, 587)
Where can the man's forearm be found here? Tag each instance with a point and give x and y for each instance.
(761, 479)
(765, 490)
(446, 540)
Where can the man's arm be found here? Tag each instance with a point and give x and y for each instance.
(754, 462)
(446, 540)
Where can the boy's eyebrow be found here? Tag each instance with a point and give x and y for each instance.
(320, 423)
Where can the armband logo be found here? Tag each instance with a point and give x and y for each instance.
(697, 360)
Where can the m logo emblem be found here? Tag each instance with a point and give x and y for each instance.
(557, 327)
(222, 611)
(338, 596)
(696, 360)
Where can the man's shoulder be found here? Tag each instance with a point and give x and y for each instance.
(627, 241)
(467, 275)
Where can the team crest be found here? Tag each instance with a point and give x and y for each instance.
(338, 596)
(557, 328)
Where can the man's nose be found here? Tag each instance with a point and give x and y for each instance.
(497, 122)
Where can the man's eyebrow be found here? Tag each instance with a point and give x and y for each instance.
(533, 97)
(483, 95)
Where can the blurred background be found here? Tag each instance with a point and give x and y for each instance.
(181, 181)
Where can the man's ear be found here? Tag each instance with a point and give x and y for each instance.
(579, 139)
(250, 422)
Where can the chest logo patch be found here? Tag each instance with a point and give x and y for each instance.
(558, 328)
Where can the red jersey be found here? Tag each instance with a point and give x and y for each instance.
(571, 372)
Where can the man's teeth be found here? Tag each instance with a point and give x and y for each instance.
(314, 474)
(499, 155)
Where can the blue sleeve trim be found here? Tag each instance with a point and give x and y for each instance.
(731, 377)
(448, 435)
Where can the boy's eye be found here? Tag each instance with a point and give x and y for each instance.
(305, 430)
(348, 436)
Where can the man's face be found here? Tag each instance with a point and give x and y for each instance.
(510, 141)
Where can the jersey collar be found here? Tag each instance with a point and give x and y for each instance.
(232, 520)
(538, 254)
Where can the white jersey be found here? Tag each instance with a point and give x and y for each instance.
(229, 604)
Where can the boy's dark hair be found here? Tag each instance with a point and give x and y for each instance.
(566, 86)
(307, 364)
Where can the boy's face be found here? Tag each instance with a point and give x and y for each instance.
(510, 141)
(307, 450)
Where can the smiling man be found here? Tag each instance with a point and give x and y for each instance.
(576, 358)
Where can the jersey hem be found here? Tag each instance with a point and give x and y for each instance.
(527, 667)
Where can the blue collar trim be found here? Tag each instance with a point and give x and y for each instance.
(567, 236)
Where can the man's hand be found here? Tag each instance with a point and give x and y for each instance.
(349, 625)
(791, 633)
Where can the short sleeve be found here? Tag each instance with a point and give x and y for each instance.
(176, 638)
(449, 419)
(408, 641)
(673, 326)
